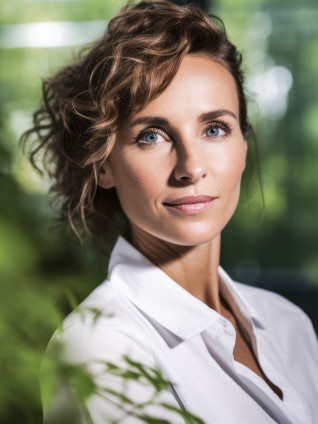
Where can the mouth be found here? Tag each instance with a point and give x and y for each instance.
(191, 205)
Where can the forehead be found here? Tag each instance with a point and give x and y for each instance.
(200, 85)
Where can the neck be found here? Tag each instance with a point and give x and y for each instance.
(195, 268)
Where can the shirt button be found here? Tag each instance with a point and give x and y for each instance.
(232, 331)
(228, 328)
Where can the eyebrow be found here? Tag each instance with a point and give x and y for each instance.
(204, 117)
(214, 114)
(149, 120)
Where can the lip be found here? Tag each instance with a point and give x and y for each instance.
(190, 200)
(191, 205)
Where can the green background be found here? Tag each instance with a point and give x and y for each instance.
(44, 273)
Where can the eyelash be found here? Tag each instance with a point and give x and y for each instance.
(226, 127)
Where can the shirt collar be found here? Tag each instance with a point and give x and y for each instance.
(239, 300)
(160, 297)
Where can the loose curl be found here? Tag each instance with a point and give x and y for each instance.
(86, 103)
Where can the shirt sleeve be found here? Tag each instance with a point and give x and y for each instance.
(105, 374)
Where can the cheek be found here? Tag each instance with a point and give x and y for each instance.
(136, 179)
(232, 168)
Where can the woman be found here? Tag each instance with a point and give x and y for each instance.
(152, 125)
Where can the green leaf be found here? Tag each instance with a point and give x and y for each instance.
(84, 384)
(152, 420)
(157, 380)
(189, 418)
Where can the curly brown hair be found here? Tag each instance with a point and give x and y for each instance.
(86, 103)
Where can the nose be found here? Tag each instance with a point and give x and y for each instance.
(190, 166)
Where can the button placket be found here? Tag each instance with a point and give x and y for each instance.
(220, 339)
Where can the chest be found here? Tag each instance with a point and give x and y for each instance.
(244, 353)
(210, 384)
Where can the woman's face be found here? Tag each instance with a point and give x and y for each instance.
(177, 164)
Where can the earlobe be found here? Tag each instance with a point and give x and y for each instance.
(105, 177)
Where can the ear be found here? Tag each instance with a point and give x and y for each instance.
(245, 153)
(105, 177)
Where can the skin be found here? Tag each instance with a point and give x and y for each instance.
(187, 159)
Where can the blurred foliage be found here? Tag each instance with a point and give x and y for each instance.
(43, 272)
(24, 11)
(287, 239)
(78, 382)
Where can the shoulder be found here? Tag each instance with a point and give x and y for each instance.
(277, 312)
(104, 355)
(103, 327)
(268, 300)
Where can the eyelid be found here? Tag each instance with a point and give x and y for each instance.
(225, 126)
(150, 130)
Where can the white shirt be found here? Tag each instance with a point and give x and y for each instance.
(140, 311)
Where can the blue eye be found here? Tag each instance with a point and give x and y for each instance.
(151, 137)
(214, 132)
